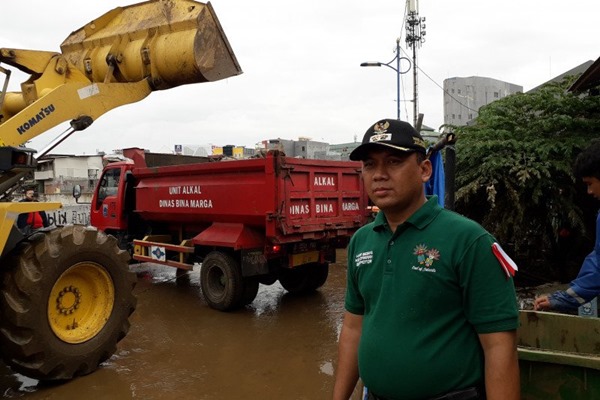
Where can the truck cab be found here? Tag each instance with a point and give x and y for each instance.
(107, 211)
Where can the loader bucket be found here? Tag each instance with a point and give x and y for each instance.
(168, 42)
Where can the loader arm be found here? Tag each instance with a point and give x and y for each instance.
(73, 98)
(117, 59)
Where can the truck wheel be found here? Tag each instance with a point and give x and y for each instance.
(294, 280)
(267, 279)
(317, 275)
(221, 281)
(305, 278)
(250, 289)
(66, 297)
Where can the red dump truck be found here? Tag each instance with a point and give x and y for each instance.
(246, 221)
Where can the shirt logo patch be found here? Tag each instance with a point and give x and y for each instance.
(363, 258)
(426, 257)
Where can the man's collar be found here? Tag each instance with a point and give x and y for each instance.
(420, 218)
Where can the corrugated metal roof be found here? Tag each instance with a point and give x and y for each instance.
(573, 71)
(589, 79)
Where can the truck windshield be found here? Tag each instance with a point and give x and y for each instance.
(109, 185)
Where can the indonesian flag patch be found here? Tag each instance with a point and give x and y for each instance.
(508, 265)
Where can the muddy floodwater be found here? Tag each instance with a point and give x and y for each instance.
(278, 347)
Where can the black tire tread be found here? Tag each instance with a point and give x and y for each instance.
(304, 279)
(233, 296)
(27, 343)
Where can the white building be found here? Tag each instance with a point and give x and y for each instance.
(464, 96)
(57, 174)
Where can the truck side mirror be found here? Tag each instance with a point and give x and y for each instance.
(77, 192)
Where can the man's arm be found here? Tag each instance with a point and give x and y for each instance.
(542, 303)
(347, 369)
(564, 301)
(502, 381)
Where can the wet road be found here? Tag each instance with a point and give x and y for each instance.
(278, 347)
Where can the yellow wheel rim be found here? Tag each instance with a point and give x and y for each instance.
(81, 302)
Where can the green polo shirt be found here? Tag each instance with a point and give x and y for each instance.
(425, 292)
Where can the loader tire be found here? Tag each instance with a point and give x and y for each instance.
(221, 281)
(65, 300)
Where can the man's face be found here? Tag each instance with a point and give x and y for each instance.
(29, 194)
(593, 186)
(394, 180)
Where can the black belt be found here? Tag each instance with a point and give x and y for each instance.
(472, 393)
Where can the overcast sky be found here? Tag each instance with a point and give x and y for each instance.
(301, 63)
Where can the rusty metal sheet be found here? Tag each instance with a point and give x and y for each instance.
(559, 356)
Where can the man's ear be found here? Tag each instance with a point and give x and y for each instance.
(426, 170)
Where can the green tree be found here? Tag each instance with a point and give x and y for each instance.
(514, 170)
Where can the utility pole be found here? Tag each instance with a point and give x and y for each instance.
(415, 36)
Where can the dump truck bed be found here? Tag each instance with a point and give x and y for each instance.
(288, 198)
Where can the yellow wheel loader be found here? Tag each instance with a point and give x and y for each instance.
(66, 293)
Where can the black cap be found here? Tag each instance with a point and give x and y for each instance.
(392, 133)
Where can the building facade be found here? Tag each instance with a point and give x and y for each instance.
(464, 96)
(238, 152)
(57, 174)
(301, 148)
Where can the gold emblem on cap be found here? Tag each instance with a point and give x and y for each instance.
(420, 142)
(381, 127)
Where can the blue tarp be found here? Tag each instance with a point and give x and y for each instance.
(436, 185)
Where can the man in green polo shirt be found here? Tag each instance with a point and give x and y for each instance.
(431, 311)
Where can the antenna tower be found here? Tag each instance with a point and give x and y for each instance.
(415, 36)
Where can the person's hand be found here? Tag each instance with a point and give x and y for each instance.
(541, 303)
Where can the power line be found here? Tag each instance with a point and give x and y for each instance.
(402, 26)
(441, 87)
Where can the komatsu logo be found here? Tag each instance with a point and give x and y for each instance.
(44, 112)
